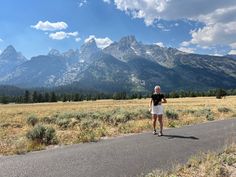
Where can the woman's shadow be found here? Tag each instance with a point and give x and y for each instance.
(182, 137)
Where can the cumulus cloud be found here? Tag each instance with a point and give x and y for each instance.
(148, 10)
(78, 39)
(49, 26)
(187, 49)
(107, 1)
(62, 35)
(217, 54)
(219, 28)
(159, 44)
(81, 3)
(232, 52)
(218, 17)
(101, 42)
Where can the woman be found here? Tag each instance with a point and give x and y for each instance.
(156, 108)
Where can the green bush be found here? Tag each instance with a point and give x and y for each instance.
(210, 117)
(48, 120)
(41, 134)
(32, 120)
(89, 124)
(188, 111)
(87, 135)
(62, 122)
(203, 112)
(172, 124)
(224, 109)
(121, 116)
(171, 114)
(50, 136)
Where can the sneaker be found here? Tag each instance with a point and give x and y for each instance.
(154, 132)
(160, 134)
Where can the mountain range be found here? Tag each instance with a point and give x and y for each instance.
(126, 65)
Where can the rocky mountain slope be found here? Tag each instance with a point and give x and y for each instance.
(126, 65)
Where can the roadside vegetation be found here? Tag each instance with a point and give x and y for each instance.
(210, 164)
(29, 127)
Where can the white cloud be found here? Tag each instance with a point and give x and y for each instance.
(217, 16)
(62, 35)
(152, 10)
(176, 24)
(233, 45)
(48, 26)
(78, 39)
(0, 51)
(217, 54)
(1, 40)
(149, 10)
(232, 52)
(162, 27)
(81, 3)
(186, 49)
(185, 44)
(159, 44)
(107, 1)
(101, 42)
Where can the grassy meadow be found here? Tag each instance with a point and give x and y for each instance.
(29, 127)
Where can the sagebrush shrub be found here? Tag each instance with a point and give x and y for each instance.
(171, 114)
(89, 124)
(41, 134)
(62, 122)
(224, 109)
(32, 120)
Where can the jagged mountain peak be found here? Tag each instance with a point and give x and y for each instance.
(9, 59)
(54, 52)
(127, 63)
(128, 39)
(90, 41)
(9, 51)
(10, 54)
(71, 53)
(87, 50)
(89, 44)
(10, 48)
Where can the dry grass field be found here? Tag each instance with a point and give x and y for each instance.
(76, 122)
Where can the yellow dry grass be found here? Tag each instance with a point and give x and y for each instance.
(210, 164)
(13, 127)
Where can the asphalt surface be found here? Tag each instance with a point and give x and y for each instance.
(122, 156)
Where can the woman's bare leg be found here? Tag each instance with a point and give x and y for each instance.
(160, 122)
(154, 117)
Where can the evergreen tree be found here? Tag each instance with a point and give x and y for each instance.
(35, 97)
(46, 97)
(53, 97)
(4, 99)
(76, 97)
(64, 98)
(220, 93)
(27, 97)
(40, 98)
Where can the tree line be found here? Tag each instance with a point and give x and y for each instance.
(41, 97)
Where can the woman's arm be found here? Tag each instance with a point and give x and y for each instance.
(150, 105)
(164, 100)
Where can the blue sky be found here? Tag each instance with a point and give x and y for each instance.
(197, 26)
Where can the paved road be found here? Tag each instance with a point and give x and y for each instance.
(122, 156)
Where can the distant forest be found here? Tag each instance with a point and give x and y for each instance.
(30, 96)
